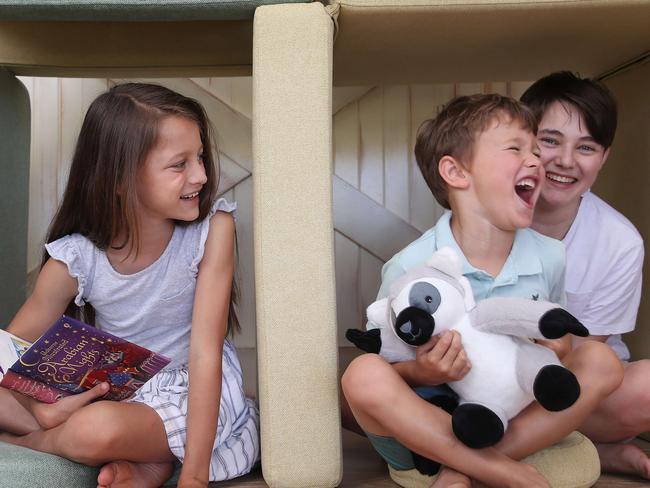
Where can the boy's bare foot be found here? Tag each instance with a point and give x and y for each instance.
(125, 474)
(449, 478)
(624, 459)
(49, 415)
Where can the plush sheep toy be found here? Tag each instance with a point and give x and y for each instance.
(508, 369)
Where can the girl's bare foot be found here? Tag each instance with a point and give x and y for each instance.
(449, 478)
(49, 415)
(125, 474)
(624, 459)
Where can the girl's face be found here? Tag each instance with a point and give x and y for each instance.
(169, 180)
(571, 157)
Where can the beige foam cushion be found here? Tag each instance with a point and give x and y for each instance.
(294, 256)
(571, 463)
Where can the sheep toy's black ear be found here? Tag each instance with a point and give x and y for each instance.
(369, 341)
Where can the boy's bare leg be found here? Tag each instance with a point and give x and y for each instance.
(385, 405)
(599, 373)
(106, 432)
(449, 478)
(622, 415)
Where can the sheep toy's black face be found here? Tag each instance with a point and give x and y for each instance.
(415, 324)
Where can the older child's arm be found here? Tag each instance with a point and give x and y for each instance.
(209, 324)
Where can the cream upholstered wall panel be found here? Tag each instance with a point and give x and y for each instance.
(624, 179)
(294, 246)
(443, 41)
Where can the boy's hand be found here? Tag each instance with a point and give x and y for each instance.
(441, 359)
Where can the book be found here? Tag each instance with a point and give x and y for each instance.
(72, 357)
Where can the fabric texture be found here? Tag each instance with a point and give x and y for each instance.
(603, 272)
(153, 308)
(294, 256)
(131, 10)
(534, 269)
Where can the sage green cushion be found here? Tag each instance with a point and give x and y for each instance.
(24, 468)
(132, 10)
(14, 188)
(571, 463)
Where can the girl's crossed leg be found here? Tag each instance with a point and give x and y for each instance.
(21, 415)
(129, 438)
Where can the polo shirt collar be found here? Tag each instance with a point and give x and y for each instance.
(523, 259)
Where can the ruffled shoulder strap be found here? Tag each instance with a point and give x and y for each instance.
(76, 252)
(221, 205)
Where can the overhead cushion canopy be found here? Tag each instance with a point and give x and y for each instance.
(411, 41)
(132, 10)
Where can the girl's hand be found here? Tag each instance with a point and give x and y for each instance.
(191, 482)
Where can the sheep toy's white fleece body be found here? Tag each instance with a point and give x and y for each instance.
(496, 333)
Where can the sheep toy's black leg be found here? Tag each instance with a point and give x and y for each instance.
(556, 388)
(477, 426)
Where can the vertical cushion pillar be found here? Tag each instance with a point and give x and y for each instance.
(294, 256)
(14, 188)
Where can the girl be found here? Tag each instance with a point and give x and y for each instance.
(604, 250)
(141, 239)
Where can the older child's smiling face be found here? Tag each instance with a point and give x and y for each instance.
(506, 174)
(170, 179)
(570, 154)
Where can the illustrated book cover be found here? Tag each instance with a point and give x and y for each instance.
(72, 357)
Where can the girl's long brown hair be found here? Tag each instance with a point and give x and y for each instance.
(100, 198)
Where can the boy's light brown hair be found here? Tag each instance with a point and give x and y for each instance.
(455, 129)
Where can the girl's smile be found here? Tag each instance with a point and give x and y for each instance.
(170, 180)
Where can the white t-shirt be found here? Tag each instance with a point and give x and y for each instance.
(603, 271)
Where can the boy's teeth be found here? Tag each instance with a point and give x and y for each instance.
(527, 183)
(560, 178)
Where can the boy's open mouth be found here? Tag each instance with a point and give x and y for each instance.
(556, 178)
(525, 189)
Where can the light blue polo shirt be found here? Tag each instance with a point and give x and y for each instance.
(534, 269)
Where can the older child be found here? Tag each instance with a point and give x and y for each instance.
(142, 239)
(604, 251)
(479, 157)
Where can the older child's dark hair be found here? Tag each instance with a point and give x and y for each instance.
(590, 97)
(118, 132)
(455, 129)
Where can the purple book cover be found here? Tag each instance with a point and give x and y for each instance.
(73, 356)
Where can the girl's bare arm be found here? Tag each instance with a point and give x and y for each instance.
(54, 290)
(209, 325)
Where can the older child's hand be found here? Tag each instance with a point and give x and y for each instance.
(561, 347)
(441, 359)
